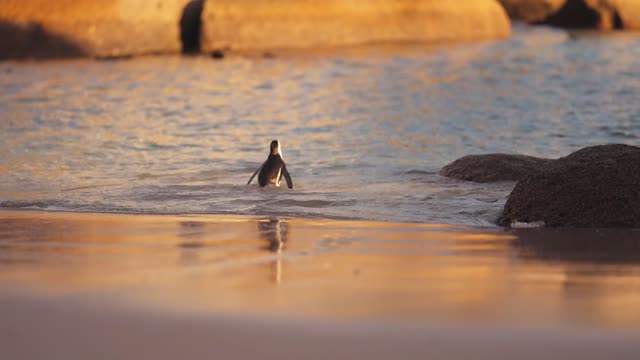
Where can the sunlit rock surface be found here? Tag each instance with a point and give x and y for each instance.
(597, 186)
(492, 167)
(578, 14)
(629, 13)
(531, 11)
(255, 24)
(101, 28)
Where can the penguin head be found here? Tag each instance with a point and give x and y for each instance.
(275, 148)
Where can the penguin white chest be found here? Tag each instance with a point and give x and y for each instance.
(278, 177)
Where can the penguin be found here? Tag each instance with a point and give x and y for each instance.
(273, 169)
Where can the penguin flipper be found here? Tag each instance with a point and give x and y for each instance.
(287, 177)
(255, 173)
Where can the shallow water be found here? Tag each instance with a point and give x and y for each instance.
(364, 131)
(329, 269)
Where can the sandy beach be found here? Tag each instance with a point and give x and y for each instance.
(79, 286)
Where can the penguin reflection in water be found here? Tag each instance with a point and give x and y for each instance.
(273, 169)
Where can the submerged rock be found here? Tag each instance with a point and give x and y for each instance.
(597, 186)
(492, 167)
(267, 25)
(217, 54)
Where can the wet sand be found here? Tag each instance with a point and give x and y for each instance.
(134, 286)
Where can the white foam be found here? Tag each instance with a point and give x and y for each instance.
(527, 225)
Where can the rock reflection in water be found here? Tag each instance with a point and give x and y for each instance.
(603, 246)
(602, 265)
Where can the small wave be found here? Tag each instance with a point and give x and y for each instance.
(147, 175)
(176, 192)
(152, 145)
(420, 172)
(25, 204)
(312, 203)
(86, 187)
(623, 132)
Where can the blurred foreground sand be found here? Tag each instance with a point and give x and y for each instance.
(80, 328)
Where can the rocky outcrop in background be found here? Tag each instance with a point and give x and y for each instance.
(258, 24)
(577, 14)
(99, 28)
(115, 28)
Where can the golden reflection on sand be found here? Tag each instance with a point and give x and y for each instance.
(322, 268)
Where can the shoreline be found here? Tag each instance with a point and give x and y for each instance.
(375, 48)
(254, 217)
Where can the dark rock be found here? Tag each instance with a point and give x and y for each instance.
(577, 14)
(217, 54)
(191, 27)
(597, 186)
(492, 167)
(25, 39)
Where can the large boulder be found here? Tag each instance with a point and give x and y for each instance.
(577, 14)
(585, 14)
(597, 186)
(277, 24)
(100, 28)
(531, 11)
(492, 167)
(628, 12)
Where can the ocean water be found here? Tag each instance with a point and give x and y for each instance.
(364, 131)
